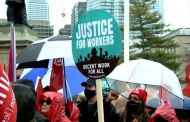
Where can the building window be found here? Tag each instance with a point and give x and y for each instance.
(186, 58)
(187, 47)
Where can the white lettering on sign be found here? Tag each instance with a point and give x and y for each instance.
(100, 41)
(53, 75)
(103, 27)
(58, 62)
(13, 101)
(80, 44)
(89, 33)
(96, 68)
(95, 33)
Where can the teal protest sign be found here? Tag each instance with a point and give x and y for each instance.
(96, 44)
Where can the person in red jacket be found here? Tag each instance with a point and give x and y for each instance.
(52, 106)
(164, 113)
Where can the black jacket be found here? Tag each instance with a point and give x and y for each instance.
(110, 114)
(38, 117)
(26, 102)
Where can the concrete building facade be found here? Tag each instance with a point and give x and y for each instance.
(182, 37)
(24, 36)
(43, 28)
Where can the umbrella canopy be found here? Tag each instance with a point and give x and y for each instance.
(140, 73)
(32, 74)
(73, 77)
(37, 54)
(153, 103)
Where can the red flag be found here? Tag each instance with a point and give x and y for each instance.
(5, 67)
(188, 72)
(38, 87)
(56, 79)
(39, 91)
(186, 90)
(12, 58)
(8, 104)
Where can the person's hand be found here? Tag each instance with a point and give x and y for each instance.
(135, 120)
(112, 96)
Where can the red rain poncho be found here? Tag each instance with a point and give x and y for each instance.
(57, 107)
(165, 111)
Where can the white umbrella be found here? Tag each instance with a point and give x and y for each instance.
(147, 73)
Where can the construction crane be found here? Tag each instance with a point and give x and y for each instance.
(63, 14)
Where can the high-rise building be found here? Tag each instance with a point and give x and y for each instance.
(114, 7)
(37, 10)
(159, 6)
(78, 10)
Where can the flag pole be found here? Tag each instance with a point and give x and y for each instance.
(13, 50)
(126, 30)
(64, 80)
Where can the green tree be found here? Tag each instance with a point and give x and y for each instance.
(144, 21)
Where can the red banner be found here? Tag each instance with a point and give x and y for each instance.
(186, 90)
(188, 72)
(8, 107)
(56, 79)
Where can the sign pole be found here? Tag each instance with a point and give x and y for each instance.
(99, 100)
(126, 30)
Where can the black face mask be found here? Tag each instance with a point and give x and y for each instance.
(89, 93)
(132, 106)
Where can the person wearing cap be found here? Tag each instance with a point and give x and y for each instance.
(135, 107)
(88, 108)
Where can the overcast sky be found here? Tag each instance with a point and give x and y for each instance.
(176, 12)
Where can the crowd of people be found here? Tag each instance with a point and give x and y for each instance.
(51, 106)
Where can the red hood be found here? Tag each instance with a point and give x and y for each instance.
(57, 107)
(165, 111)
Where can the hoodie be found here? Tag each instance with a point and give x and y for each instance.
(165, 112)
(38, 117)
(26, 102)
(57, 107)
